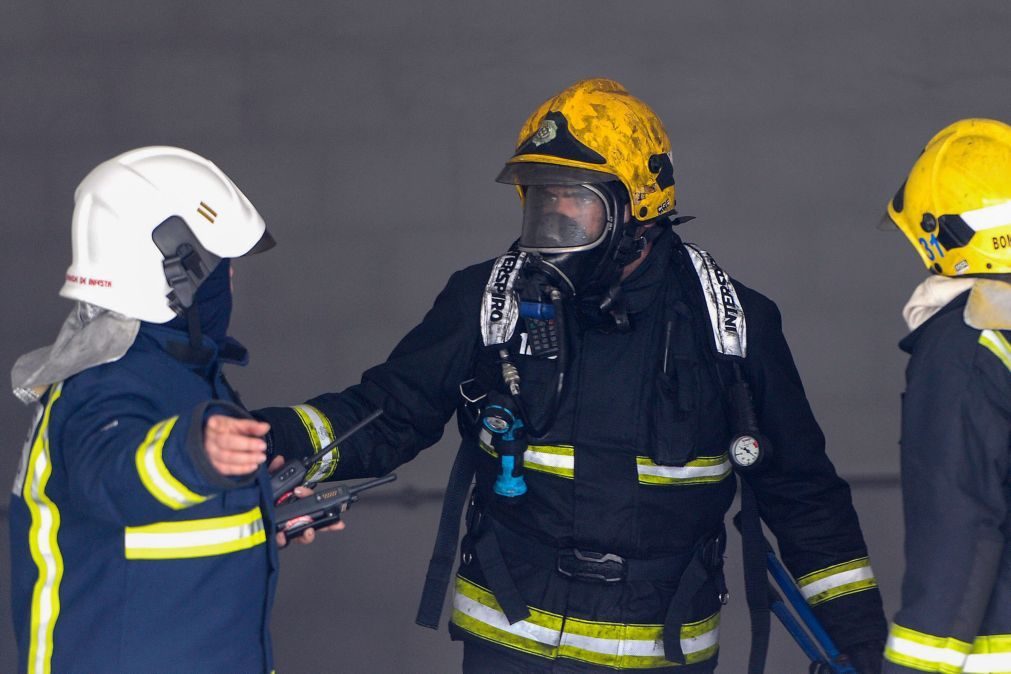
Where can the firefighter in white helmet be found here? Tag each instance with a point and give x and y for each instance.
(140, 514)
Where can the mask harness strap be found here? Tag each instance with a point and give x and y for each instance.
(187, 263)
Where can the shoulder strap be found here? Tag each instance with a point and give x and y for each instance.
(500, 310)
(440, 568)
(726, 316)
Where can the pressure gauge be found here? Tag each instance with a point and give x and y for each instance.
(746, 451)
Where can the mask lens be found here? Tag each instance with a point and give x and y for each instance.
(562, 218)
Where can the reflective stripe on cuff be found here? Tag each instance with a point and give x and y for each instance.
(990, 655)
(321, 434)
(624, 646)
(195, 538)
(705, 469)
(925, 652)
(155, 474)
(836, 581)
(998, 345)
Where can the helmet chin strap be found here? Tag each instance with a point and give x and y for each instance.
(187, 263)
(630, 248)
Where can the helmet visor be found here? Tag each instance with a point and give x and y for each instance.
(564, 218)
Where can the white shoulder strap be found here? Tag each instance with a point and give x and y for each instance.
(500, 309)
(726, 316)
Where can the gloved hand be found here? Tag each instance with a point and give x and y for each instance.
(866, 657)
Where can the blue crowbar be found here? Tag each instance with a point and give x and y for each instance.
(825, 657)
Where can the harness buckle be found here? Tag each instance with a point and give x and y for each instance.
(589, 566)
(472, 393)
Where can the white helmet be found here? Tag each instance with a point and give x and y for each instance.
(149, 225)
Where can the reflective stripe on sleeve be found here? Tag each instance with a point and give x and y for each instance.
(705, 469)
(321, 434)
(925, 652)
(998, 345)
(195, 538)
(44, 546)
(623, 646)
(837, 581)
(990, 655)
(155, 475)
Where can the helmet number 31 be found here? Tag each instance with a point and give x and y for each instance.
(936, 244)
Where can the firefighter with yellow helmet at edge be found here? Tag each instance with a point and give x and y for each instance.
(589, 366)
(955, 209)
(140, 514)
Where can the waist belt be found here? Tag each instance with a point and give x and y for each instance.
(691, 570)
(592, 566)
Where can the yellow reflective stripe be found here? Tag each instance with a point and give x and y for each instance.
(557, 460)
(703, 470)
(321, 434)
(476, 611)
(44, 546)
(631, 646)
(837, 581)
(195, 538)
(155, 475)
(998, 345)
(925, 652)
(625, 646)
(990, 655)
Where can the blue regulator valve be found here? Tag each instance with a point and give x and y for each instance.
(509, 442)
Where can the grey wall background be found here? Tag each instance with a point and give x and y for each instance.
(369, 135)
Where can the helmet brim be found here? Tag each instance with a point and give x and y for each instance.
(886, 223)
(532, 173)
(265, 243)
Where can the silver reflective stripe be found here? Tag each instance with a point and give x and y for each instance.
(988, 217)
(187, 539)
(652, 648)
(925, 652)
(563, 461)
(987, 663)
(705, 469)
(933, 655)
(321, 433)
(497, 619)
(836, 580)
(726, 317)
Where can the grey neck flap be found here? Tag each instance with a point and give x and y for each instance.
(90, 336)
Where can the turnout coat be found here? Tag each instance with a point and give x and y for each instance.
(956, 491)
(129, 552)
(595, 484)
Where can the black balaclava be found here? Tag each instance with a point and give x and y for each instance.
(213, 301)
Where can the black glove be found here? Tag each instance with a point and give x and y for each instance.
(866, 657)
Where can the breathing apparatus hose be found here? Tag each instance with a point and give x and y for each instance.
(561, 364)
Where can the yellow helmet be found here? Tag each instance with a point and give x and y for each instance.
(955, 206)
(598, 132)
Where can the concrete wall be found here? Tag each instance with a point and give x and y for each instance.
(369, 134)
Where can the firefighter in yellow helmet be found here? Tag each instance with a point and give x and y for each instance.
(955, 209)
(590, 367)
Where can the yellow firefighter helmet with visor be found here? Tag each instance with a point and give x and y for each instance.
(593, 132)
(955, 206)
